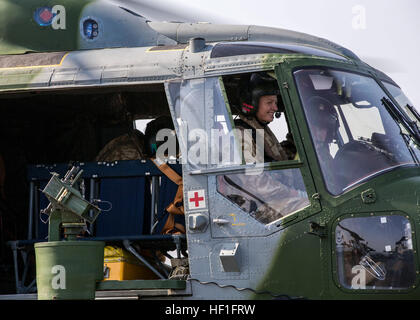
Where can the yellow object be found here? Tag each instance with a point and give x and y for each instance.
(120, 264)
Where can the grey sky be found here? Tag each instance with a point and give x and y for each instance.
(381, 32)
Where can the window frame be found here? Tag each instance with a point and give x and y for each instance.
(336, 279)
(314, 204)
(289, 66)
(349, 127)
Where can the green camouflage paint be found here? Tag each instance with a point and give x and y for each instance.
(20, 33)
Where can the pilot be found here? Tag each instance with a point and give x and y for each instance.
(324, 124)
(277, 191)
(259, 106)
(323, 121)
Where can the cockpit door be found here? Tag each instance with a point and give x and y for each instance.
(230, 233)
(237, 199)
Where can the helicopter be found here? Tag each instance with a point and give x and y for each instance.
(75, 75)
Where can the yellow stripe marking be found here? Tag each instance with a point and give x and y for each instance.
(42, 66)
(153, 51)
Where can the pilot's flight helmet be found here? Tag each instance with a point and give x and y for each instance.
(260, 84)
(152, 129)
(322, 113)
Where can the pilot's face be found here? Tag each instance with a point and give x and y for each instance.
(267, 108)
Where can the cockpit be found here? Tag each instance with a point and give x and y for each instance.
(355, 129)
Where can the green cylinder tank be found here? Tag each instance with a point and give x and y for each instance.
(68, 270)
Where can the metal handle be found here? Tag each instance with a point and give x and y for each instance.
(220, 221)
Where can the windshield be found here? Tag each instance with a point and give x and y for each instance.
(403, 101)
(354, 135)
(398, 94)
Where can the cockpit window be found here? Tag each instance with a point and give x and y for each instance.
(398, 94)
(354, 134)
(210, 139)
(401, 99)
(250, 140)
(267, 196)
(375, 253)
(409, 109)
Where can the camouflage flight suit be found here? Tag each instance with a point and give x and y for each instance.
(125, 147)
(273, 193)
(273, 151)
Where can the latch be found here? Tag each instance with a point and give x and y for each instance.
(368, 196)
(220, 221)
(316, 229)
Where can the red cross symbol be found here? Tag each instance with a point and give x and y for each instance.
(196, 199)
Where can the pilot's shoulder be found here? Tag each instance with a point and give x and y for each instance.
(242, 124)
